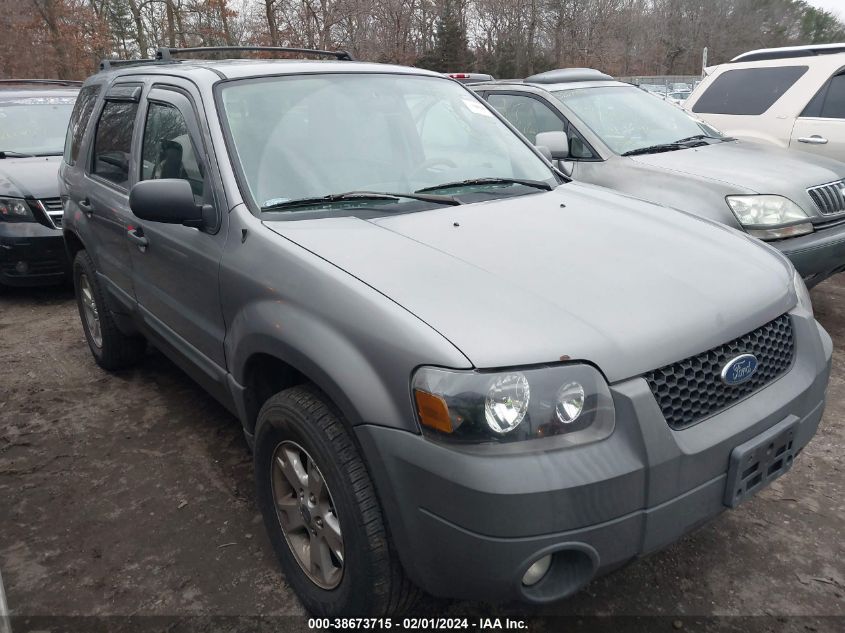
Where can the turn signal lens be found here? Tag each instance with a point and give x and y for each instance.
(433, 411)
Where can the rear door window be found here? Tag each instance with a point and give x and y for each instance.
(747, 91)
(113, 142)
(829, 102)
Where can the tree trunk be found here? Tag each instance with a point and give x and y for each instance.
(135, 10)
(269, 9)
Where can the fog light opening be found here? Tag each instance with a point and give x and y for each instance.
(21, 267)
(537, 571)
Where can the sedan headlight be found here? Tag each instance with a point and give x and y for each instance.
(15, 210)
(571, 401)
(770, 217)
(804, 302)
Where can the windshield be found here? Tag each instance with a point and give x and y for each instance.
(311, 136)
(34, 125)
(627, 118)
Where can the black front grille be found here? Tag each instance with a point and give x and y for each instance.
(692, 389)
(829, 198)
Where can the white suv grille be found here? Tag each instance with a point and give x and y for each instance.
(829, 198)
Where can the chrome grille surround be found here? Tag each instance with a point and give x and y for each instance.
(52, 208)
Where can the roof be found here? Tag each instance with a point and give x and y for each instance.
(168, 60)
(245, 68)
(787, 52)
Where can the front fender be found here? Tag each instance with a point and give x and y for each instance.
(350, 340)
(351, 381)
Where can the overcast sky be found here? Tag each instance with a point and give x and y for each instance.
(834, 6)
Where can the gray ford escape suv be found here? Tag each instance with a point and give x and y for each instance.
(460, 373)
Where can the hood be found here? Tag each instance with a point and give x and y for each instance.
(754, 167)
(35, 177)
(578, 272)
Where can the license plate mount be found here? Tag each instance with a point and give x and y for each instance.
(760, 460)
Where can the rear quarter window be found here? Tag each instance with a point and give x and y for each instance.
(747, 91)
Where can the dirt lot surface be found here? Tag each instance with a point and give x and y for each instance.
(131, 494)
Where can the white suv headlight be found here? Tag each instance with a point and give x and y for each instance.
(770, 217)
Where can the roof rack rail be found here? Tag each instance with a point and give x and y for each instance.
(108, 64)
(58, 82)
(787, 52)
(166, 54)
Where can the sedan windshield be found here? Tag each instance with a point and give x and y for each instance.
(320, 136)
(34, 126)
(628, 119)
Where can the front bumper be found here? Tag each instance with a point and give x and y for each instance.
(469, 524)
(31, 254)
(817, 255)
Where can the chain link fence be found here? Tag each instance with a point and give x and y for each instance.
(664, 84)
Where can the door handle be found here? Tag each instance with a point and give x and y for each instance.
(815, 139)
(136, 236)
(86, 206)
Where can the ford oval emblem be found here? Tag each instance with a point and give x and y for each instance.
(739, 370)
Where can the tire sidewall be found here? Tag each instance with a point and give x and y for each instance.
(280, 422)
(82, 265)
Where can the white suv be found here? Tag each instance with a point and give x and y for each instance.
(793, 97)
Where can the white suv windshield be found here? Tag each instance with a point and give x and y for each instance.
(306, 136)
(626, 118)
(34, 125)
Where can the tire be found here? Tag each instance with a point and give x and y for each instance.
(371, 582)
(111, 348)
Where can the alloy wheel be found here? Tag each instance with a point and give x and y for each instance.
(89, 309)
(307, 515)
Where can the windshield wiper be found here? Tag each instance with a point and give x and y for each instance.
(684, 143)
(654, 149)
(697, 137)
(357, 195)
(537, 184)
(5, 153)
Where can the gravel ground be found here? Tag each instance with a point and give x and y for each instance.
(131, 494)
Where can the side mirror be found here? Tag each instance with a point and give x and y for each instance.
(555, 143)
(168, 200)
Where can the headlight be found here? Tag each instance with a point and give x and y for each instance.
(15, 210)
(571, 401)
(770, 217)
(802, 293)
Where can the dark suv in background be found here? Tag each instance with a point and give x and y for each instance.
(34, 115)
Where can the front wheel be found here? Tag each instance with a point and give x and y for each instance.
(321, 511)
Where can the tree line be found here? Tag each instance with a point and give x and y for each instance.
(507, 38)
